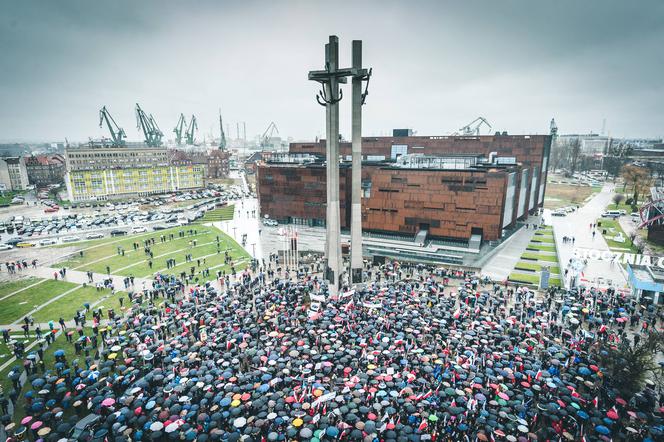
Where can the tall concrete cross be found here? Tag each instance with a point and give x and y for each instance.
(359, 96)
(330, 78)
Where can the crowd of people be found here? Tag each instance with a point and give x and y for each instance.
(419, 354)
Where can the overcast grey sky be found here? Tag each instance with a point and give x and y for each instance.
(437, 64)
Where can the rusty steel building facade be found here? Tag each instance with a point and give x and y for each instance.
(450, 187)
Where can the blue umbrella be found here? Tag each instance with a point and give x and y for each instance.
(59, 353)
(601, 429)
(582, 414)
(584, 371)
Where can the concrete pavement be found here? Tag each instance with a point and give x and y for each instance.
(502, 263)
(577, 225)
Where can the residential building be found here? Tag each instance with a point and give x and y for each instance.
(45, 169)
(112, 172)
(13, 173)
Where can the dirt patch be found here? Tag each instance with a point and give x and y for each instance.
(561, 195)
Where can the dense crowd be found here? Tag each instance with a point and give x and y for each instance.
(419, 354)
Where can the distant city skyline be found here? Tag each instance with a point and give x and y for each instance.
(437, 66)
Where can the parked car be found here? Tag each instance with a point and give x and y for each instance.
(559, 212)
(94, 235)
(138, 229)
(270, 222)
(70, 239)
(48, 242)
(14, 241)
(6, 247)
(24, 245)
(118, 232)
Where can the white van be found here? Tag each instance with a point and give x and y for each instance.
(611, 214)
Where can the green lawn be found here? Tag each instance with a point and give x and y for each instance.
(543, 240)
(537, 254)
(10, 287)
(67, 306)
(16, 307)
(521, 265)
(541, 248)
(608, 224)
(621, 206)
(528, 278)
(222, 214)
(136, 262)
(555, 282)
(6, 197)
(107, 248)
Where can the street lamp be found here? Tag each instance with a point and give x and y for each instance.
(253, 246)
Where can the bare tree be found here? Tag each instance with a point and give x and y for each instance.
(638, 178)
(574, 152)
(639, 245)
(558, 155)
(618, 198)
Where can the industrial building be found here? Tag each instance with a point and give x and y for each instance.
(110, 172)
(458, 191)
(13, 174)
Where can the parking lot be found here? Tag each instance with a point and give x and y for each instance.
(53, 224)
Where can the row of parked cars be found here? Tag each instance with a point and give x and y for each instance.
(134, 219)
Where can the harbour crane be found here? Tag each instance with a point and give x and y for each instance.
(157, 132)
(117, 133)
(222, 137)
(179, 129)
(269, 132)
(148, 126)
(191, 130)
(473, 128)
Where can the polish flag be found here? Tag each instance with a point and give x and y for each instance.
(457, 313)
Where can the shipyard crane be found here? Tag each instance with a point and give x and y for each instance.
(158, 134)
(148, 126)
(269, 132)
(117, 133)
(473, 128)
(191, 130)
(222, 137)
(179, 129)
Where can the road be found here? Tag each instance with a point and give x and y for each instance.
(577, 225)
